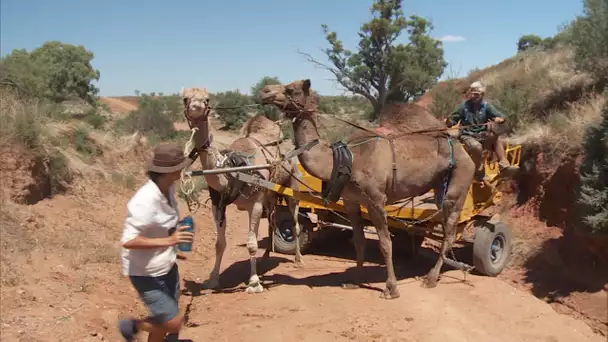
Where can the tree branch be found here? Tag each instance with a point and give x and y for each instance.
(340, 73)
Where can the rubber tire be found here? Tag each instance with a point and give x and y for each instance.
(288, 246)
(407, 244)
(485, 235)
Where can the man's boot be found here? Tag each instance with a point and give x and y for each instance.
(504, 167)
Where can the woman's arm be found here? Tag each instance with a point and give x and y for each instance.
(140, 242)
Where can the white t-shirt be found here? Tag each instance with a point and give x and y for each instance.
(152, 216)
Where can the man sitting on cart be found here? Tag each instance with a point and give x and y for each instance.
(475, 116)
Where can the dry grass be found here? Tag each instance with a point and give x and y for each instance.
(562, 131)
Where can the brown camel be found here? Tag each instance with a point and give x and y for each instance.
(421, 163)
(258, 144)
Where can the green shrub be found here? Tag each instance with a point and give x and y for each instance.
(593, 198)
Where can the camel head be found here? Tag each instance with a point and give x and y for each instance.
(196, 103)
(292, 98)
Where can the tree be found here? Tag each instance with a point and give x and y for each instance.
(594, 177)
(234, 112)
(271, 112)
(55, 70)
(590, 38)
(381, 70)
(527, 41)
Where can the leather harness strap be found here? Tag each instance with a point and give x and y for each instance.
(394, 156)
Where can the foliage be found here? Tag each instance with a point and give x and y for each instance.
(445, 99)
(527, 41)
(55, 70)
(93, 118)
(154, 117)
(23, 119)
(270, 112)
(594, 176)
(590, 38)
(232, 111)
(381, 70)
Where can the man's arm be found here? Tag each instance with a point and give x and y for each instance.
(455, 117)
(494, 114)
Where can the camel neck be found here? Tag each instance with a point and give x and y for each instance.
(318, 161)
(206, 156)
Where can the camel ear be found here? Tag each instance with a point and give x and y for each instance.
(181, 92)
(306, 85)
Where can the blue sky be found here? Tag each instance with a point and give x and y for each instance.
(161, 46)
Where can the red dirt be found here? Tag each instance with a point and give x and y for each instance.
(70, 288)
(23, 175)
(121, 104)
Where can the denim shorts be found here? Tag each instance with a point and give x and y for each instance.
(159, 294)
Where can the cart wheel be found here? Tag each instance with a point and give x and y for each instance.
(284, 241)
(492, 248)
(407, 244)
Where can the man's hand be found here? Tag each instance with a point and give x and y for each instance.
(499, 120)
(180, 236)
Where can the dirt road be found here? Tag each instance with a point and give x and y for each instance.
(77, 294)
(309, 304)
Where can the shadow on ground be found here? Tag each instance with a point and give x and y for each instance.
(557, 271)
(336, 247)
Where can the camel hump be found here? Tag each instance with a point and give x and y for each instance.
(260, 125)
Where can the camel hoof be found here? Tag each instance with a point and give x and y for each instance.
(388, 294)
(350, 286)
(428, 283)
(255, 289)
(299, 263)
(212, 283)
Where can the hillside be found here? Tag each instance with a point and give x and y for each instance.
(549, 105)
(70, 161)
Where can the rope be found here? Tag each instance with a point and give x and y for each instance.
(236, 107)
(187, 185)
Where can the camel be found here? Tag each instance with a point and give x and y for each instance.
(258, 143)
(380, 175)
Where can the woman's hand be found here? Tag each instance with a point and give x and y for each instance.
(180, 236)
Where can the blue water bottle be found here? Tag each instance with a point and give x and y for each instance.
(186, 221)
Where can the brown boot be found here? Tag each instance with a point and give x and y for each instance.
(505, 169)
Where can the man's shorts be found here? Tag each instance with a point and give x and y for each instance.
(159, 294)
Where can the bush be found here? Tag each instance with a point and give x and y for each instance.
(23, 119)
(232, 111)
(594, 177)
(154, 118)
(589, 36)
(528, 41)
(93, 118)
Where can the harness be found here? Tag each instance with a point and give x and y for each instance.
(341, 172)
(448, 176)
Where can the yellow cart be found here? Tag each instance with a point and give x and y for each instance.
(409, 221)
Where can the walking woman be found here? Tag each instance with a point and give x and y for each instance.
(149, 247)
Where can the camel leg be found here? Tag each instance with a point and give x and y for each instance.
(219, 216)
(255, 214)
(294, 207)
(353, 211)
(452, 205)
(378, 217)
(271, 226)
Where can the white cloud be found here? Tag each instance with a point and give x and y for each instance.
(451, 39)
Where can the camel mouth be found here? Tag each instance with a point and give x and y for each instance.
(268, 98)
